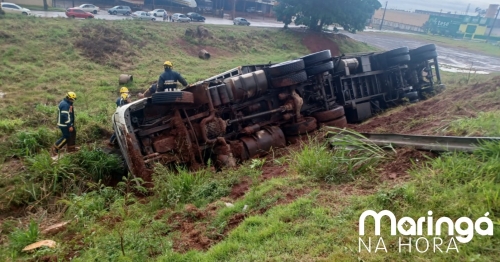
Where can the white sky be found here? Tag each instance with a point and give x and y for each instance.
(459, 6)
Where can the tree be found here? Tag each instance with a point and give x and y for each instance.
(316, 14)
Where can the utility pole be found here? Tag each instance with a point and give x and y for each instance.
(467, 11)
(493, 25)
(234, 9)
(383, 16)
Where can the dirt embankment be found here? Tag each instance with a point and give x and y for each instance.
(318, 42)
(431, 117)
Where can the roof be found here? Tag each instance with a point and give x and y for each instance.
(402, 17)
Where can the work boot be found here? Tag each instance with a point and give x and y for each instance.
(54, 151)
(71, 149)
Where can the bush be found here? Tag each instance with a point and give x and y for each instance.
(350, 156)
(97, 164)
(8, 126)
(28, 143)
(21, 238)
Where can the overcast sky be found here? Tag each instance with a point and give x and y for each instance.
(459, 6)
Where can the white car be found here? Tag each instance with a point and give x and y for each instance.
(89, 8)
(180, 18)
(141, 15)
(158, 12)
(13, 8)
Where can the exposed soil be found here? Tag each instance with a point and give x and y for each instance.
(106, 45)
(404, 160)
(433, 115)
(316, 42)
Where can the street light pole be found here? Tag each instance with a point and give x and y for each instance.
(493, 25)
(383, 16)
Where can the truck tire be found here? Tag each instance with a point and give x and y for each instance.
(329, 115)
(423, 49)
(420, 57)
(315, 58)
(340, 123)
(319, 69)
(399, 59)
(287, 67)
(288, 80)
(172, 97)
(307, 126)
(397, 52)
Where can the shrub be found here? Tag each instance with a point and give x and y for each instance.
(21, 238)
(97, 164)
(28, 143)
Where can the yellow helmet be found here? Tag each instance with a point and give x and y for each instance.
(168, 64)
(71, 96)
(123, 90)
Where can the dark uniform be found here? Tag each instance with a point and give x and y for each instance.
(169, 80)
(66, 119)
(119, 102)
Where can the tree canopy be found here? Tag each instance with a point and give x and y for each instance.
(315, 14)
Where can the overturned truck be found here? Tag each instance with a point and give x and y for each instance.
(246, 111)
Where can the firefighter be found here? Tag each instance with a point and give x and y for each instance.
(151, 90)
(66, 122)
(120, 101)
(168, 79)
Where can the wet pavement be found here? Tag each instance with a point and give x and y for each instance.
(255, 21)
(451, 59)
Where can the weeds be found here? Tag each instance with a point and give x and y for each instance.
(98, 164)
(485, 124)
(28, 143)
(21, 238)
(350, 156)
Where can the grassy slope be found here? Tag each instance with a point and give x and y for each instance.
(316, 221)
(481, 46)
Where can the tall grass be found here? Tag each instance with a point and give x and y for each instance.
(349, 157)
(20, 238)
(97, 164)
(29, 143)
(485, 124)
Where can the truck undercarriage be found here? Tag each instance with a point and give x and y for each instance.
(246, 111)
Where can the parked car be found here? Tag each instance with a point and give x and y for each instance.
(196, 17)
(240, 21)
(141, 15)
(78, 13)
(90, 8)
(13, 8)
(180, 18)
(120, 9)
(158, 12)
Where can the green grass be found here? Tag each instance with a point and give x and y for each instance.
(476, 46)
(309, 214)
(40, 8)
(485, 124)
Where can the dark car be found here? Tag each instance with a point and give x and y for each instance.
(196, 17)
(78, 13)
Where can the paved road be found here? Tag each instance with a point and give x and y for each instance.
(259, 22)
(454, 58)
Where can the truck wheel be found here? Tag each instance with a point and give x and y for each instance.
(340, 123)
(398, 59)
(397, 52)
(173, 97)
(286, 67)
(420, 57)
(307, 126)
(312, 59)
(424, 48)
(329, 115)
(288, 80)
(319, 69)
